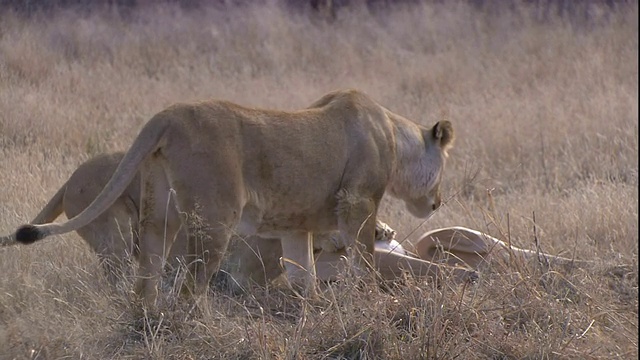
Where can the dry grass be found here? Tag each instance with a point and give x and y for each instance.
(547, 120)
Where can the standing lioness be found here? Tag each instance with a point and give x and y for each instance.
(273, 173)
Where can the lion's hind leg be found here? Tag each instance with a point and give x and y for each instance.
(206, 244)
(157, 231)
(210, 208)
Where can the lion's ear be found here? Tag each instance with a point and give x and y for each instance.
(442, 133)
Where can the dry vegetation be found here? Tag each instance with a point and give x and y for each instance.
(546, 114)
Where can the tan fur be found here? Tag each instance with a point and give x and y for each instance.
(232, 169)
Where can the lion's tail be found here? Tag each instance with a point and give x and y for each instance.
(147, 142)
(50, 212)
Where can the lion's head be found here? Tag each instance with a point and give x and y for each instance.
(421, 163)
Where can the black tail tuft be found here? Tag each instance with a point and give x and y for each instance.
(28, 234)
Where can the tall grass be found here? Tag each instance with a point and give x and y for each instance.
(546, 116)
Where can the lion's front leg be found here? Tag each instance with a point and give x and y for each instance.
(357, 225)
(297, 253)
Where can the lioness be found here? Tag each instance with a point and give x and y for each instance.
(233, 169)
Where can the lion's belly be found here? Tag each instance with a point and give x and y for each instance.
(273, 221)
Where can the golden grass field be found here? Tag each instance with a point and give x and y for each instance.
(546, 116)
